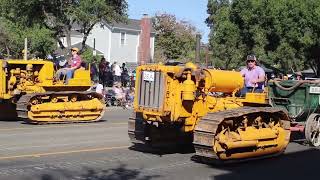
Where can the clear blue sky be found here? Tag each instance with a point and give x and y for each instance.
(193, 11)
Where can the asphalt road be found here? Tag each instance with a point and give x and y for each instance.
(102, 151)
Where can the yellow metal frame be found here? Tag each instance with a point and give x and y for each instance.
(191, 111)
(80, 81)
(21, 77)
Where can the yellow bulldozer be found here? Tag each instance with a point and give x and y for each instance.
(182, 104)
(29, 91)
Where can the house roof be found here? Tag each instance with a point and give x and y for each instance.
(78, 45)
(130, 24)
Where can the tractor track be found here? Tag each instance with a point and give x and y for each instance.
(22, 107)
(205, 131)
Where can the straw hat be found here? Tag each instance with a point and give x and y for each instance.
(75, 49)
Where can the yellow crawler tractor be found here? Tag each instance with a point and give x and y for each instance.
(181, 104)
(29, 91)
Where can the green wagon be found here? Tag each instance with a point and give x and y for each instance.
(302, 101)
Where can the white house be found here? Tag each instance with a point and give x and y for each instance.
(131, 42)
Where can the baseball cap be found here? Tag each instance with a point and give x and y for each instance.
(251, 57)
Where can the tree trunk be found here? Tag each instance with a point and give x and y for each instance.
(61, 45)
(8, 51)
(83, 43)
(68, 37)
(85, 37)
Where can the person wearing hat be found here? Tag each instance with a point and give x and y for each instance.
(254, 76)
(298, 76)
(73, 64)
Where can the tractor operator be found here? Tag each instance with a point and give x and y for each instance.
(73, 64)
(254, 76)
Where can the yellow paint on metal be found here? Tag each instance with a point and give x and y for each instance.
(2, 81)
(258, 98)
(19, 77)
(191, 93)
(223, 81)
(66, 111)
(267, 145)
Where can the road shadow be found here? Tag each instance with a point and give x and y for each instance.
(298, 137)
(172, 149)
(296, 165)
(118, 173)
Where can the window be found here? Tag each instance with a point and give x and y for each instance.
(122, 38)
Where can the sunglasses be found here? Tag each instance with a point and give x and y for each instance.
(250, 61)
(73, 50)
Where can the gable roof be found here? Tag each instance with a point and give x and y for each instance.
(130, 24)
(133, 24)
(77, 45)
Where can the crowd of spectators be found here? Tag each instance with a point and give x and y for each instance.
(115, 78)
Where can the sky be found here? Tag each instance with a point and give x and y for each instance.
(193, 11)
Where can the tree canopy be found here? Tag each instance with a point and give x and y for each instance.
(40, 40)
(175, 39)
(283, 34)
(60, 16)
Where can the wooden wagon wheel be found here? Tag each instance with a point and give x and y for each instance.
(312, 129)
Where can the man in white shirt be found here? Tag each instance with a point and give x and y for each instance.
(97, 87)
(117, 72)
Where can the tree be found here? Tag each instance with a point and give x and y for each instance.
(225, 39)
(40, 40)
(283, 34)
(174, 39)
(61, 15)
(87, 56)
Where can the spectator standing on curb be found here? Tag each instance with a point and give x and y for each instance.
(125, 77)
(108, 75)
(133, 78)
(123, 66)
(94, 70)
(102, 70)
(117, 72)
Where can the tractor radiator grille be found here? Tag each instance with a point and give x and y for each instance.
(151, 90)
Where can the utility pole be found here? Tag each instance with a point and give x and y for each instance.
(198, 39)
(207, 55)
(94, 47)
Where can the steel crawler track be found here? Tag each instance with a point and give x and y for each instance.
(205, 130)
(24, 102)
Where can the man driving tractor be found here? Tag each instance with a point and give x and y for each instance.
(254, 76)
(73, 64)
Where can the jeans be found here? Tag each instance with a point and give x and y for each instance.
(68, 73)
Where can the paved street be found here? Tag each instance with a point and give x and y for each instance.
(102, 151)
